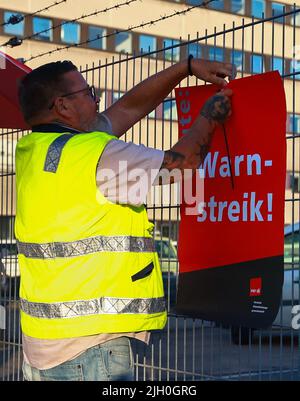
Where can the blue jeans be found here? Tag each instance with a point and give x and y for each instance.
(110, 361)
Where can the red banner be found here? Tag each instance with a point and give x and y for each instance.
(11, 71)
(231, 249)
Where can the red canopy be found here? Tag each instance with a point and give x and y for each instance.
(11, 71)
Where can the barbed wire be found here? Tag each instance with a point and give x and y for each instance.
(142, 25)
(17, 41)
(105, 10)
(17, 18)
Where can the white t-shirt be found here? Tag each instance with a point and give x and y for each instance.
(119, 186)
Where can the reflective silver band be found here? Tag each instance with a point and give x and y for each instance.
(103, 305)
(54, 152)
(86, 246)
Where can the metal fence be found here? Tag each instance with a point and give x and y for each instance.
(187, 349)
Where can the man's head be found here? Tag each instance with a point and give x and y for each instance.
(57, 92)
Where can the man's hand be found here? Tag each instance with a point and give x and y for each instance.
(218, 107)
(213, 71)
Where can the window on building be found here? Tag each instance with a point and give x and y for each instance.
(216, 53)
(17, 29)
(258, 7)
(147, 43)
(295, 19)
(97, 32)
(116, 95)
(195, 49)
(295, 187)
(257, 64)
(193, 2)
(238, 6)
(170, 110)
(172, 54)
(70, 32)
(277, 63)
(123, 42)
(277, 9)
(295, 68)
(217, 4)
(295, 123)
(42, 28)
(238, 59)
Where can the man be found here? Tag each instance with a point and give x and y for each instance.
(90, 277)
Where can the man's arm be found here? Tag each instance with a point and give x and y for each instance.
(147, 95)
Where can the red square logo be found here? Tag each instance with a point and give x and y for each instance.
(255, 287)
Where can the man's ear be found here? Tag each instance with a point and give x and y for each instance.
(59, 105)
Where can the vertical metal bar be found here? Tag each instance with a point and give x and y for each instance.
(140, 122)
(169, 212)
(160, 359)
(9, 293)
(252, 46)
(152, 362)
(126, 84)
(11, 169)
(161, 219)
(188, 52)
(145, 371)
(99, 84)
(93, 73)
(176, 349)
(112, 80)
(212, 331)
(283, 73)
(193, 348)
(119, 74)
(202, 351)
(233, 43)
(155, 189)
(259, 357)
(133, 84)
(198, 56)
(106, 85)
(243, 48)
(184, 349)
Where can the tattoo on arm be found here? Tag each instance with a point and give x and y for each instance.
(216, 109)
(172, 160)
(203, 150)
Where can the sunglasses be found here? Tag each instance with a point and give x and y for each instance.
(91, 91)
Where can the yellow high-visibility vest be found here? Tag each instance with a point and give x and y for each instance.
(87, 265)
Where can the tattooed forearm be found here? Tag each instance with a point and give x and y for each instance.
(217, 108)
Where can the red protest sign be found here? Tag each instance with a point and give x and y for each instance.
(231, 249)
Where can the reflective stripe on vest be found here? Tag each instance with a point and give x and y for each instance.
(55, 151)
(103, 305)
(86, 246)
